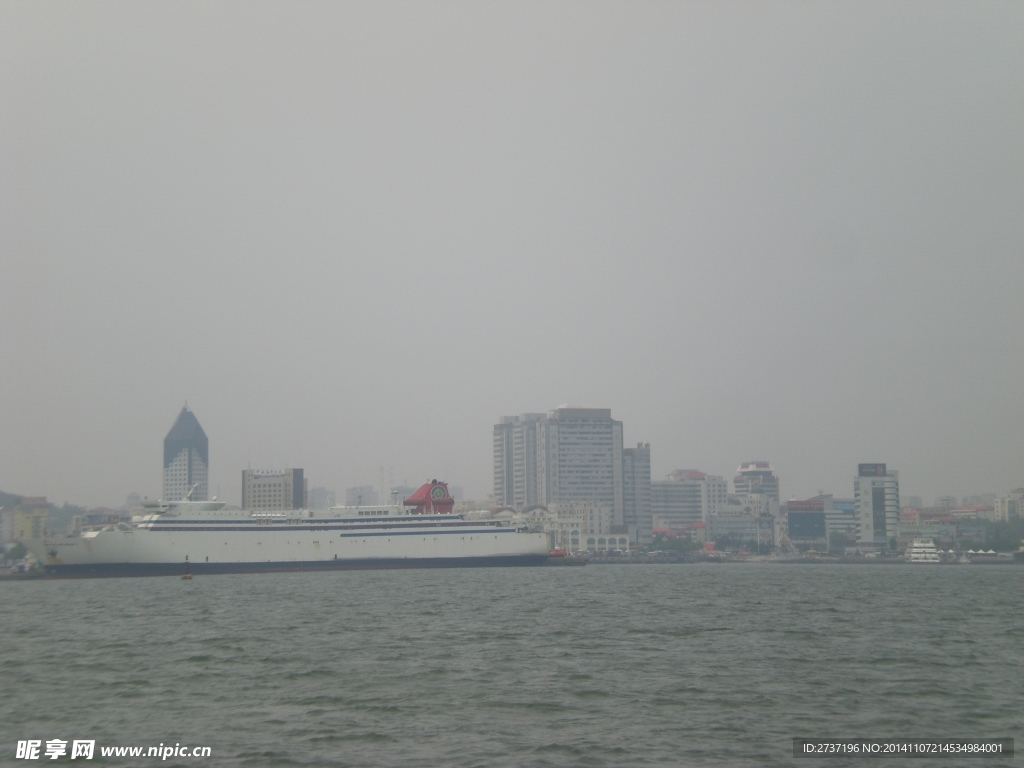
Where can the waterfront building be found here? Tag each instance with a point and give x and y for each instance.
(571, 454)
(575, 526)
(273, 489)
(732, 507)
(840, 515)
(186, 459)
(756, 477)
(28, 519)
(686, 496)
(1010, 505)
(974, 511)
(876, 491)
(843, 517)
(636, 492)
(933, 523)
(750, 519)
(613, 542)
(755, 504)
(806, 525)
(744, 530)
(591, 518)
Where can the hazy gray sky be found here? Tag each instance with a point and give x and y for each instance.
(354, 236)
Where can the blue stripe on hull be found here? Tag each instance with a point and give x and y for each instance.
(107, 570)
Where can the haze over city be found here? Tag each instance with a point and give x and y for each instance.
(352, 237)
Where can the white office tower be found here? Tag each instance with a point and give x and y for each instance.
(515, 460)
(636, 492)
(685, 497)
(571, 454)
(876, 492)
(186, 459)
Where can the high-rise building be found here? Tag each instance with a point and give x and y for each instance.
(515, 460)
(636, 492)
(571, 454)
(756, 477)
(579, 458)
(273, 489)
(186, 459)
(687, 496)
(876, 491)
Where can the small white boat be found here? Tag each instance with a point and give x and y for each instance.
(922, 551)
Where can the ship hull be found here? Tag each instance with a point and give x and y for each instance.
(114, 570)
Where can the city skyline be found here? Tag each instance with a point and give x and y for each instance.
(767, 231)
(187, 443)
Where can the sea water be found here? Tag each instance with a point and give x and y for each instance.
(626, 665)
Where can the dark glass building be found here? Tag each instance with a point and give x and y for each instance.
(186, 459)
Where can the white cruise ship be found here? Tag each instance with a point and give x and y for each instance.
(202, 537)
(922, 551)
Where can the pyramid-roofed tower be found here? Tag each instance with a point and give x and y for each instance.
(186, 459)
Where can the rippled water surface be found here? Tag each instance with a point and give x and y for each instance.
(595, 666)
